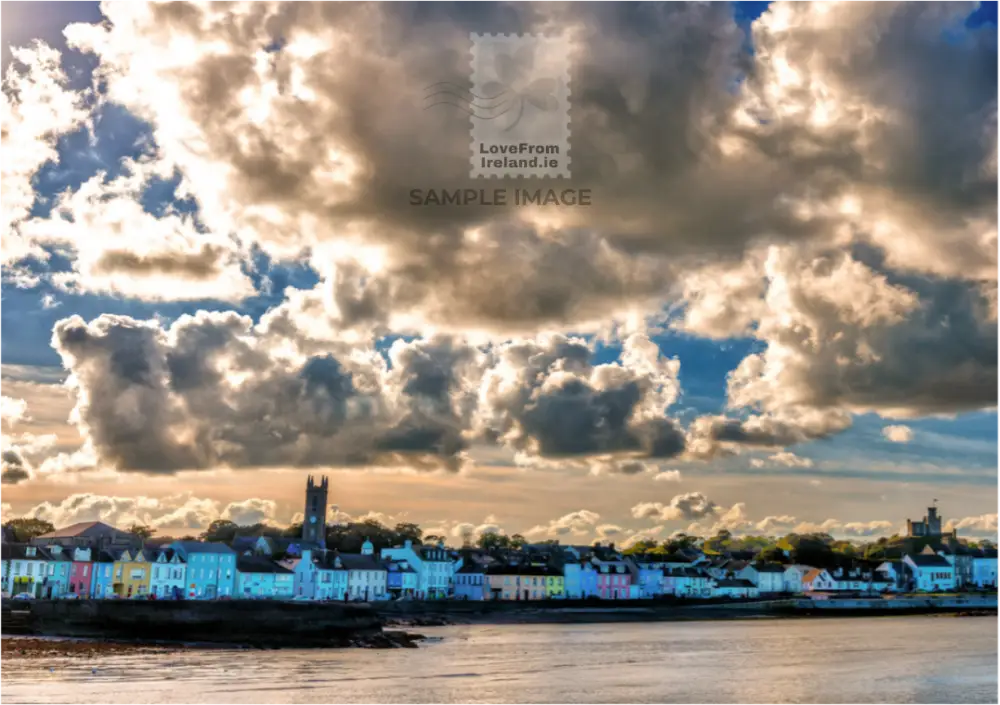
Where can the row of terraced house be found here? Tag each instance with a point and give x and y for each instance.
(94, 560)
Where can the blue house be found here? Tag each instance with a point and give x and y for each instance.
(260, 577)
(102, 585)
(56, 580)
(580, 579)
(401, 579)
(211, 569)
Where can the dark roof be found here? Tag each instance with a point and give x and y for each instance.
(357, 561)
(19, 551)
(202, 547)
(686, 573)
(521, 570)
(259, 564)
(768, 567)
(734, 583)
(924, 560)
(472, 568)
(243, 543)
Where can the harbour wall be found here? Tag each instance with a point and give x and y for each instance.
(254, 623)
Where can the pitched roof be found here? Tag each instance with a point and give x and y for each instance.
(259, 564)
(86, 529)
(923, 560)
(19, 551)
(358, 561)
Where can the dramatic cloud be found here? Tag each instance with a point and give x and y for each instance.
(38, 107)
(122, 249)
(898, 434)
(208, 391)
(548, 398)
(690, 506)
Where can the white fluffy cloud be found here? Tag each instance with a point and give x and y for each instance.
(172, 513)
(898, 434)
(783, 458)
(38, 107)
(577, 523)
(12, 411)
(689, 506)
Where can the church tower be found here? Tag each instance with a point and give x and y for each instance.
(314, 522)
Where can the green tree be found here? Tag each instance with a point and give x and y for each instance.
(517, 542)
(491, 541)
(220, 530)
(406, 531)
(27, 528)
(142, 531)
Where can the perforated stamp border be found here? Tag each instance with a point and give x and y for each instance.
(499, 126)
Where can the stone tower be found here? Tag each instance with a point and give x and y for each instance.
(314, 521)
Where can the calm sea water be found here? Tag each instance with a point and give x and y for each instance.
(895, 659)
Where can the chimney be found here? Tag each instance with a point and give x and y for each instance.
(408, 544)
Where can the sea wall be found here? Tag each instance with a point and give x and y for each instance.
(256, 623)
(420, 613)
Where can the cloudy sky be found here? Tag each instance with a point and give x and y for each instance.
(779, 312)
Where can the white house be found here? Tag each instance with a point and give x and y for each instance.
(818, 579)
(735, 588)
(687, 582)
(27, 569)
(768, 577)
(434, 566)
(167, 575)
(929, 573)
(984, 568)
(792, 577)
(367, 579)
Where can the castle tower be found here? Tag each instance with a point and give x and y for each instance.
(933, 522)
(314, 522)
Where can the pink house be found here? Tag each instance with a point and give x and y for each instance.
(613, 580)
(81, 573)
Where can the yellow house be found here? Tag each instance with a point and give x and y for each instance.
(132, 571)
(523, 582)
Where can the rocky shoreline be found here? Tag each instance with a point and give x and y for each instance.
(28, 647)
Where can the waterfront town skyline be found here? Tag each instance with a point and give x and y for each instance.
(371, 562)
(777, 311)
